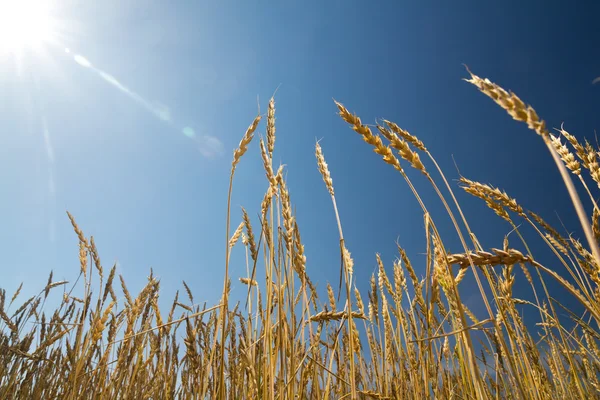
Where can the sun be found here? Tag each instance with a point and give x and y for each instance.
(25, 24)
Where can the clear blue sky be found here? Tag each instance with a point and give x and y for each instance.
(133, 128)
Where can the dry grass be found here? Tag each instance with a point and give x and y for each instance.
(413, 339)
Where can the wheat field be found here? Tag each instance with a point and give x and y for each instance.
(410, 336)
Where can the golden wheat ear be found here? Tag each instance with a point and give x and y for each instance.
(520, 111)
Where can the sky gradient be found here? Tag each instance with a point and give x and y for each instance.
(129, 120)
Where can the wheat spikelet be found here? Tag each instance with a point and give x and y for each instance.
(250, 233)
(348, 261)
(271, 127)
(399, 279)
(387, 323)
(100, 324)
(236, 235)
(189, 292)
(77, 230)
(565, 155)
(335, 316)
(47, 288)
(579, 149)
(367, 135)
(374, 395)
(486, 191)
(596, 223)
(299, 263)
(382, 277)
(108, 287)
(96, 257)
(23, 306)
(526, 273)
(331, 297)
(373, 301)
(508, 280)
(460, 275)
(359, 302)
(592, 162)
(470, 314)
(53, 285)
(267, 164)
(286, 211)
(406, 135)
(185, 307)
(323, 169)
(510, 102)
(557, 245)
(498, 257)
(446, 281)
(407, 264)
(248, 281)
(586, 256)
(50, 341)
(83, 257)
(16, 294)
(243, 146)
(493, 205)
(126, 292)
(264, 207)
(403, 149)
(551, 231)
(13, 328)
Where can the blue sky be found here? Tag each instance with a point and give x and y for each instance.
(132, 129)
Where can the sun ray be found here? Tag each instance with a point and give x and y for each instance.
(209, 145)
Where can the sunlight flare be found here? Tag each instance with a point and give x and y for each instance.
(25, 24)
